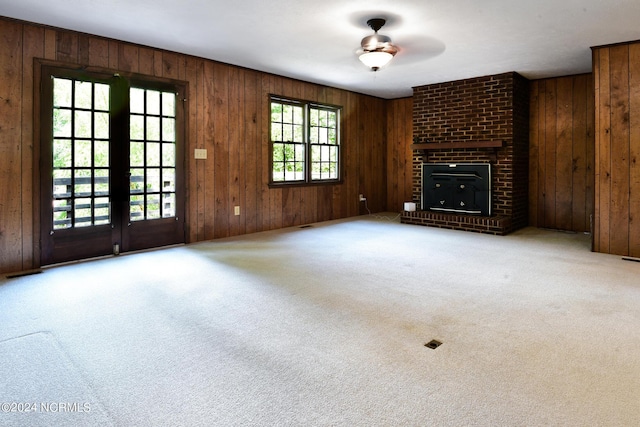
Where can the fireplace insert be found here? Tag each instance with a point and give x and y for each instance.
(463, 188)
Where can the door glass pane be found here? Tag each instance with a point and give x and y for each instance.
(82, 156)
(153, 180)
(153, 206)
(82, 212)
(101, 101)
(137, 100)
(83, 97)
(152, 154)
(136, 127)
(153, 129)
(153, 102)
(168, 129)
(80, 145)
(101, 125)
(62, 93)
(61, 153)
(82, 125)
(101, 154)
(61, 123)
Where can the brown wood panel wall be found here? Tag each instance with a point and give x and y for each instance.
(399, 153)
(561, 153)
(617, 145)
(227, 114)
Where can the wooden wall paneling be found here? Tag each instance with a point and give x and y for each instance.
(579, 158)
(368, 145)
(399, 162)
(603, 153)
(50, 37)
(98, 52)
(208, 142)
(534, 148)
(325, 197)
(634, 150)
(146, 61)
(288, 208)
(551, 109)
(194, 222)
(128, 58)
(170, 65)
(33, 47)
(221, 150)
(84, 49)
(114, 56)
(590, 155)
(11, 61)
(403, 123)
(263, 202)
(251, 148)
(236, 176)
(391, 131)
(619, 208)
(595, 220)
(368, 161)
(66, 46)
(399, 134)
(358, 137)
(379, 175)
(350, 189)
(542, 151)
(564, 154)
(351, 163)
(275, 194)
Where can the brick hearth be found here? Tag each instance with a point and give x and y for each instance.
(460, 122)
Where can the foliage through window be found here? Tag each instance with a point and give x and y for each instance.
(305, 142)
(82, 166)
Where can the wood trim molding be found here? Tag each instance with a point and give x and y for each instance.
(498, 143)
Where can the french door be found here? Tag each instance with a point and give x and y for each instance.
(111, 164)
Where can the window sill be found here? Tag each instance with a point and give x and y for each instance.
(305, 184)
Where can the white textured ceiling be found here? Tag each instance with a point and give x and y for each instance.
(315, 41)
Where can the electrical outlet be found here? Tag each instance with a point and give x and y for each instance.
(200, 153)
(236, 210)
(362, 198)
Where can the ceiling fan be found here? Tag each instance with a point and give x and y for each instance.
(376, 50)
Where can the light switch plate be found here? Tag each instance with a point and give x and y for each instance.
(200, 153)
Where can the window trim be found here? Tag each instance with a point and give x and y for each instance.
(307, 106)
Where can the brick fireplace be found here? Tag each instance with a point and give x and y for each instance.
(478, 120)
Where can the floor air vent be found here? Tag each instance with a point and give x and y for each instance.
(306, 226)
(433, 344)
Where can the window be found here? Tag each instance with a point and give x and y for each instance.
(305, 142)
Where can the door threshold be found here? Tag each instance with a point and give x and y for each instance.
(101, 257)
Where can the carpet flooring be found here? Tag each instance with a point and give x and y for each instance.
(327, 326)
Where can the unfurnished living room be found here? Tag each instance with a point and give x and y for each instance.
(319, 213)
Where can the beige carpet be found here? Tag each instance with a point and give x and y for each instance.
(326, 326)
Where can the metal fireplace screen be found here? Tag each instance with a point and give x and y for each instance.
(462, 188)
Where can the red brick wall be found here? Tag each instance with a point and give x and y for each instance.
(479, 109)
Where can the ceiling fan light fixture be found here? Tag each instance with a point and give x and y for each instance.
(375, 59)
(376, 50)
